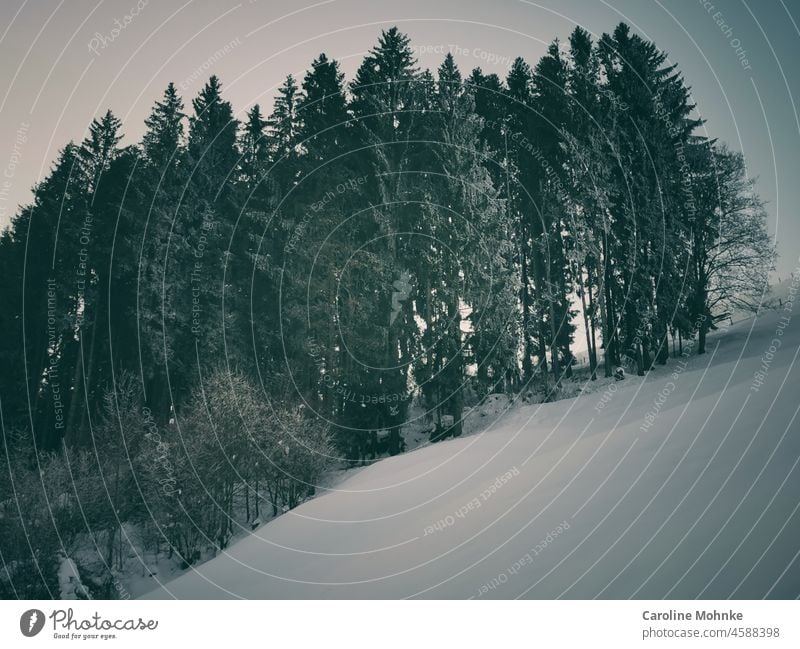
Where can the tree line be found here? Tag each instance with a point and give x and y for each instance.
(204, 320)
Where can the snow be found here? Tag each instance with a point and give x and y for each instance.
(681, 484)
(69, 580)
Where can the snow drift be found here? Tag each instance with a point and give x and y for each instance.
(683, 484)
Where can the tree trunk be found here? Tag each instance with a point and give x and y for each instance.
(527, 357)
(701, 343)
(586, 326)
(662, 355)
(605, 314)
(593, 341)
(456, 371)
(256, 501)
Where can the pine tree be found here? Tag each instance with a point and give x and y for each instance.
(36, 381)
(583, 150)
(281, 179)
(466, 290)
(162, 142)
(386, 117)
(212, 146)
(650, 146)
(253, 147)
(490, 104)
(283, 125)
(322, 110)
(549, 119)
(99, 148)
(103, 169)
(498, 343)
(154, 236)
(520, 142)
(383, 89)
(321, 357)
(201, 316)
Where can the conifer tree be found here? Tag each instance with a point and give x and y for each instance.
(383, 96)
(551, 108)
(161, 144)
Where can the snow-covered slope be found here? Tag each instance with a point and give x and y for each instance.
(567, 499)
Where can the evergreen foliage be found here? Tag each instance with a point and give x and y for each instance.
(200, 324)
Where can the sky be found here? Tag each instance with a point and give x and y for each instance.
(66, 62)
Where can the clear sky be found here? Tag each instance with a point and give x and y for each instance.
(65, 62)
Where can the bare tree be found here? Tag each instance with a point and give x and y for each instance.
(732, 255)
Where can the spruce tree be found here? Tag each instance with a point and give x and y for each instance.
(161, 143)
(551, 108)
(383, 96)
(154, 236)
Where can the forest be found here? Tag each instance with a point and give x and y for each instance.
(198, 325)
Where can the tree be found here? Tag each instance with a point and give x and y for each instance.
(549, 116)
(162, 142)
(315, 343)
(254, 150)
(731, 253)
(383, 104)
(651, 147)
(36, 381)
(517, 143)
(99, 149)
(118, 452)
(292, 453)
(152, 236)
(197, 291)
(86, 272)
(409, 234)
(322, 110)
(587, 172)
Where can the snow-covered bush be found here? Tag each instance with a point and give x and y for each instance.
(293, 450)
(228, 451)
(48, 503)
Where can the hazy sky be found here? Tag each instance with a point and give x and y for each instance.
(65, 62)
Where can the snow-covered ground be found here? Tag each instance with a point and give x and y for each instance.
(682, 485)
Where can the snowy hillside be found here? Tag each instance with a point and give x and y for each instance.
(683, 485)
